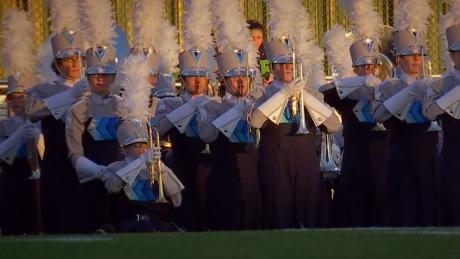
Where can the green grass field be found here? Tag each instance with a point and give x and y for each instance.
(439, 243)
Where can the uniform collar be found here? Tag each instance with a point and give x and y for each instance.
(128, 159)
(455, 72)
(66, 82)
(187, 96)
(404, 76)
(230, 98)
(100, 99)
(278, 84)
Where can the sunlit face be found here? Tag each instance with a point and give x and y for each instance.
(237, 85)
(100, 83)
(16, 102)
(257, 37)
(455, 57)
(411, 64)
(283, 72)
(135, 150)
(70, 67)
(365, 70)
(195, 85)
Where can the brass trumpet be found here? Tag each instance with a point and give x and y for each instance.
(156, 166)
(327, 165)
(297, 101)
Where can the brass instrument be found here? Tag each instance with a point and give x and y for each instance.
(213, 88)
(156, 166)
(329, 169)
(386, 68)
(34, 165)
(297, 101)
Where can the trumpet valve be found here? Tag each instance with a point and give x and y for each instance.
(294, 108)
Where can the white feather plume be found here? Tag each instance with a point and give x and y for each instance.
(337, 45)
(147, 19)
(18, 54)
(197, 24)
(97, 21)
(310, 54)
(412, 14)
(168, 47)
(365, 20)
(450, 18)
(290, 18)
(45, 59)
(64, 15)
(133, 79)
(280, 21)
(231, 29)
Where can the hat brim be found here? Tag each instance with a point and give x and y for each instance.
(283, 59)
(412, 51)
(194, 71)
(69, 53)
(239, 71)
(135, 140)
(101, 69)
(455, 47)
(366, 61)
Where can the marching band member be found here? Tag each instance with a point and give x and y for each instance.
(288, 164)
(233, 195)
(139, 202)
(89, 128)
(413, 158)
(17, 134)
(147, 30)
(48, 103)
(442, 104)
(176, 116)
(160, 48)
(360, 197)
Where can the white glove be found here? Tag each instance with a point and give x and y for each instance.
(196, 101)
(294, 87)
(176, 199)
(243, 105)
(372, 81)
(255, 93)
(113, 183)
(79, 89)
(29, 132)
(87, 170)
(417, 88)
(150, 155)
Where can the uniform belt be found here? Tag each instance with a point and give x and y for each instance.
(142, 217)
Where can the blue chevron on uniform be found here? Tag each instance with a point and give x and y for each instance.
(415, 114)
(104, 128)
(363, 112)
(138, 189)
(192, 128)
(149, 192)
(287, 116)
(242, 133)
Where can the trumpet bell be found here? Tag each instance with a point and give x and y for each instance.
(328, 166)
(385, 69)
